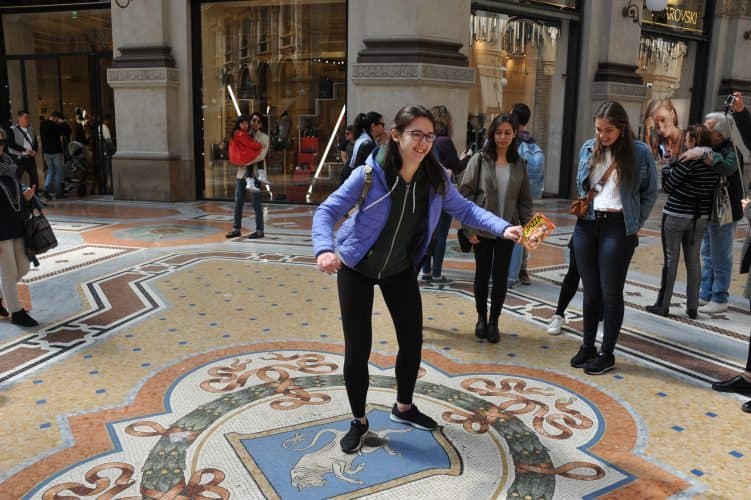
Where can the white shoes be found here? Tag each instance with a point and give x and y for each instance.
(714, 308)
(261, 177)
(556, 322)
(250, 184)
(703, 302)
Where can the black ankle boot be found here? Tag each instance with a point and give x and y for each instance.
(691, 313)
(481, 327)
(493, 334)
(22, 318)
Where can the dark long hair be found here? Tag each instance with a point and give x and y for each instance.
(240, 119)
(363, 122)
(623, 150)
(490, 149)
(392, 163)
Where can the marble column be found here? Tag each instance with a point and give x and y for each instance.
(610, 51)
(151, 80)
(410, 52)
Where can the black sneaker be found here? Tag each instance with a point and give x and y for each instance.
(352, 440)
(4, 312)
(235, 233)
(604, 362)
(584, 355)
(22, 318)
(413, 417)
(255, 235)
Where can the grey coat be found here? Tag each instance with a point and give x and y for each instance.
(518, 201)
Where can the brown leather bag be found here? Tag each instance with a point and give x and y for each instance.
(581, 206)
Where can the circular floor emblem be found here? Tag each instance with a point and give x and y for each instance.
(268, 424)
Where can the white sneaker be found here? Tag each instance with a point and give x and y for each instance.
(714, 308)
(250, 184)
(261, 177)
(703, 302)
(556, 322)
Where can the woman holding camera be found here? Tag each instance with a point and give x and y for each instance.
(13, 261)
(621, 170)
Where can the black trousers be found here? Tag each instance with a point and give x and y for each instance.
(492, 257)
(570, 283)
(402, 296)
(29, 165)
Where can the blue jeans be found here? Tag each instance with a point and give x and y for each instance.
(604, 253)
(717, 262)
(255, 197)
(439, 250)
(516, 263)
(54, 163)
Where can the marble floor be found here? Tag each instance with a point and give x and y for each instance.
(171, 362)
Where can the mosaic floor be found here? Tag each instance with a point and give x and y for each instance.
(173, 363)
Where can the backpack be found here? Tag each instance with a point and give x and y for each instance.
(533, 155)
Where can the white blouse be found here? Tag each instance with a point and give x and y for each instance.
(609, 199)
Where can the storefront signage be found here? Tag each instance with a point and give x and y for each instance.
(680, 15)
(563, 4)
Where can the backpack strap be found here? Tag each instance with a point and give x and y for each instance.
(366, 183)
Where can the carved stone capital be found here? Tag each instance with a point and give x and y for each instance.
(437, 74)
(142, 77)
(602, 91)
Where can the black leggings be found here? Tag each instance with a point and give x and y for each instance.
(570, 284)
(491, 257)
(402, 296)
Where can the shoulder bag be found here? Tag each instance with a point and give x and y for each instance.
(581, 206)
(464, 244)
(722, 210)
(39, 236)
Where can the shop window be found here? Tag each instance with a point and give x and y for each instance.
(287, 62)
(515, 61)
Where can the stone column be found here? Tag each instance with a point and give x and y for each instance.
(410, 52)
(150, 76)
(610, 50)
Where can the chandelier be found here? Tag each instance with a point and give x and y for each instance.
(653, 51)
(514, 34)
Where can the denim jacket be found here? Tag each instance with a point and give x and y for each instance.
(637, 202)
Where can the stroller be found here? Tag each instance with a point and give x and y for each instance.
(76, 168)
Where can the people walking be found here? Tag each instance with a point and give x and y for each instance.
(621, 171)
(22, 146)
(496, 179)
(382, 244)
(54, 131)
(445, 152)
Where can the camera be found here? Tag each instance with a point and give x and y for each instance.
(729, 100)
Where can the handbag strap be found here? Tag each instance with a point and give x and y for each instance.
(593, 192)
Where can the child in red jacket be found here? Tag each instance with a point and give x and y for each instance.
(243, 148)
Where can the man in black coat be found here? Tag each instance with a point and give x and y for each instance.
(740, 384)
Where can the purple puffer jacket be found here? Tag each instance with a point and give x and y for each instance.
(359, 233)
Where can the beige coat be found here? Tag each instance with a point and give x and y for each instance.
(518, 202)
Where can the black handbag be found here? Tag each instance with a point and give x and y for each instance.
(464, 244)
(39, 236)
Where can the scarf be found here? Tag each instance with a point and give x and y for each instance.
(7, 167)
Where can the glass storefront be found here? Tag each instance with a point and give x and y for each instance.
(515, 59)
(286, 60)
(57, 61)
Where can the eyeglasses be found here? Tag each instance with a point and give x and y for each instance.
(419, 135)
